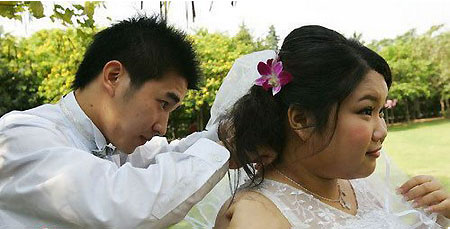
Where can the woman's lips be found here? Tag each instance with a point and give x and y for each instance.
(374, 153)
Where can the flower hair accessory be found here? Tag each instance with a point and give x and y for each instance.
(272, 75)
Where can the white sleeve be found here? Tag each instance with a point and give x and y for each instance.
(43, 182)
(144, 155)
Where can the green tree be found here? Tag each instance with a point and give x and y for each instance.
(418, 68)
(18, 83)
(440, 55)
(67, 15)
(39, 69)
(243, 35)
(58, 54)
(272, 39)
(217, 53)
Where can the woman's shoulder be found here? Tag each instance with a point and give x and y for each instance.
(250, 209)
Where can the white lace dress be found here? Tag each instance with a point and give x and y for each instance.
(302, 210)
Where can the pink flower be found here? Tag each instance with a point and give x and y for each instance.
(272, 76)
(390, 103)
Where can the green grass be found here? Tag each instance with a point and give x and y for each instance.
(421, 148)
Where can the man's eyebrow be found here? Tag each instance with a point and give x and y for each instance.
(174, 97)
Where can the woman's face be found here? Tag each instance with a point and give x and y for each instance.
(359, 134)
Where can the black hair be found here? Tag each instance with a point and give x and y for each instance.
(146, 46)
(326, 67)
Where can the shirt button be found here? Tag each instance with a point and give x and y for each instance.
(218, 158)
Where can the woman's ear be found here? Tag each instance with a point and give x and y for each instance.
(300, 122)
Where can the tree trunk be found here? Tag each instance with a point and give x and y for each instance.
(441, 101)
(393, 115)
(408, 117)
(446, 107)
(386, 116)
(417, 113)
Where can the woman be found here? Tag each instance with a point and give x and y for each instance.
(314, 124)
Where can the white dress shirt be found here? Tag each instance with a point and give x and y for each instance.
(50, 178)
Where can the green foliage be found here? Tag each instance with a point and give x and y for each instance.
(272, 39)
(39, 69)
(18, 78)
(216, 52)
(59, 54)
(67, 15)
(420, 68)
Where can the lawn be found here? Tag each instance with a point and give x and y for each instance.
(421, 148)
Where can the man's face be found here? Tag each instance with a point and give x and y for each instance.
(139, 114)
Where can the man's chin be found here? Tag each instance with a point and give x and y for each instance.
(128, 150)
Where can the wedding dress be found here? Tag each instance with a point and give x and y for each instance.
(303, 210)
(378, 204)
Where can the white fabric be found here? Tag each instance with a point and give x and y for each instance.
(49, 178)
(236, 84)
(305, 211)
(388, 207)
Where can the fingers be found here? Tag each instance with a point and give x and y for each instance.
(427, 192)
(430, 199)
(441, 208)
(422, 189)
(413, 182)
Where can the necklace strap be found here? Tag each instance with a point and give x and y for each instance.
(339, 200)
(310, 192)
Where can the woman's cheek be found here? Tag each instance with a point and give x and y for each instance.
(359, 134)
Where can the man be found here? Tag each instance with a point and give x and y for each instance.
(91, 159)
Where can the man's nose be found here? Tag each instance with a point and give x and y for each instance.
(161, 126)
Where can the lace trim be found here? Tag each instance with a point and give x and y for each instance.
(303, 210)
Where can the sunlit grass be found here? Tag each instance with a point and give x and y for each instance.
(422, 148)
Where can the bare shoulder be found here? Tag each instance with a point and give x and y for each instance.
(250, 210)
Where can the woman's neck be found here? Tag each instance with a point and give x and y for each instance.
(324, 187)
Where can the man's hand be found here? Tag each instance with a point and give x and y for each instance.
(232, 164)
(426, 191)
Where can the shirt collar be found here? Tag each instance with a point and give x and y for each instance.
(84, 125)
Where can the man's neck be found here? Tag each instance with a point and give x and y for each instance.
(90, 104)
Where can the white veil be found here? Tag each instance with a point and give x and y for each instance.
(235, 85)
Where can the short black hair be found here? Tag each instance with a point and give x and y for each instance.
(146, 46)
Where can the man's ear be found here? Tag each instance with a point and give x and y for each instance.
(111, 74)
(301, 122)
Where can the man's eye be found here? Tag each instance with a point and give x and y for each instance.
(164, 104)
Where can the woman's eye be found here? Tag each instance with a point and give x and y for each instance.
(382, 113)
(367, 111)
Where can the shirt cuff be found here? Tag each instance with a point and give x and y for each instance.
(210, 151)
